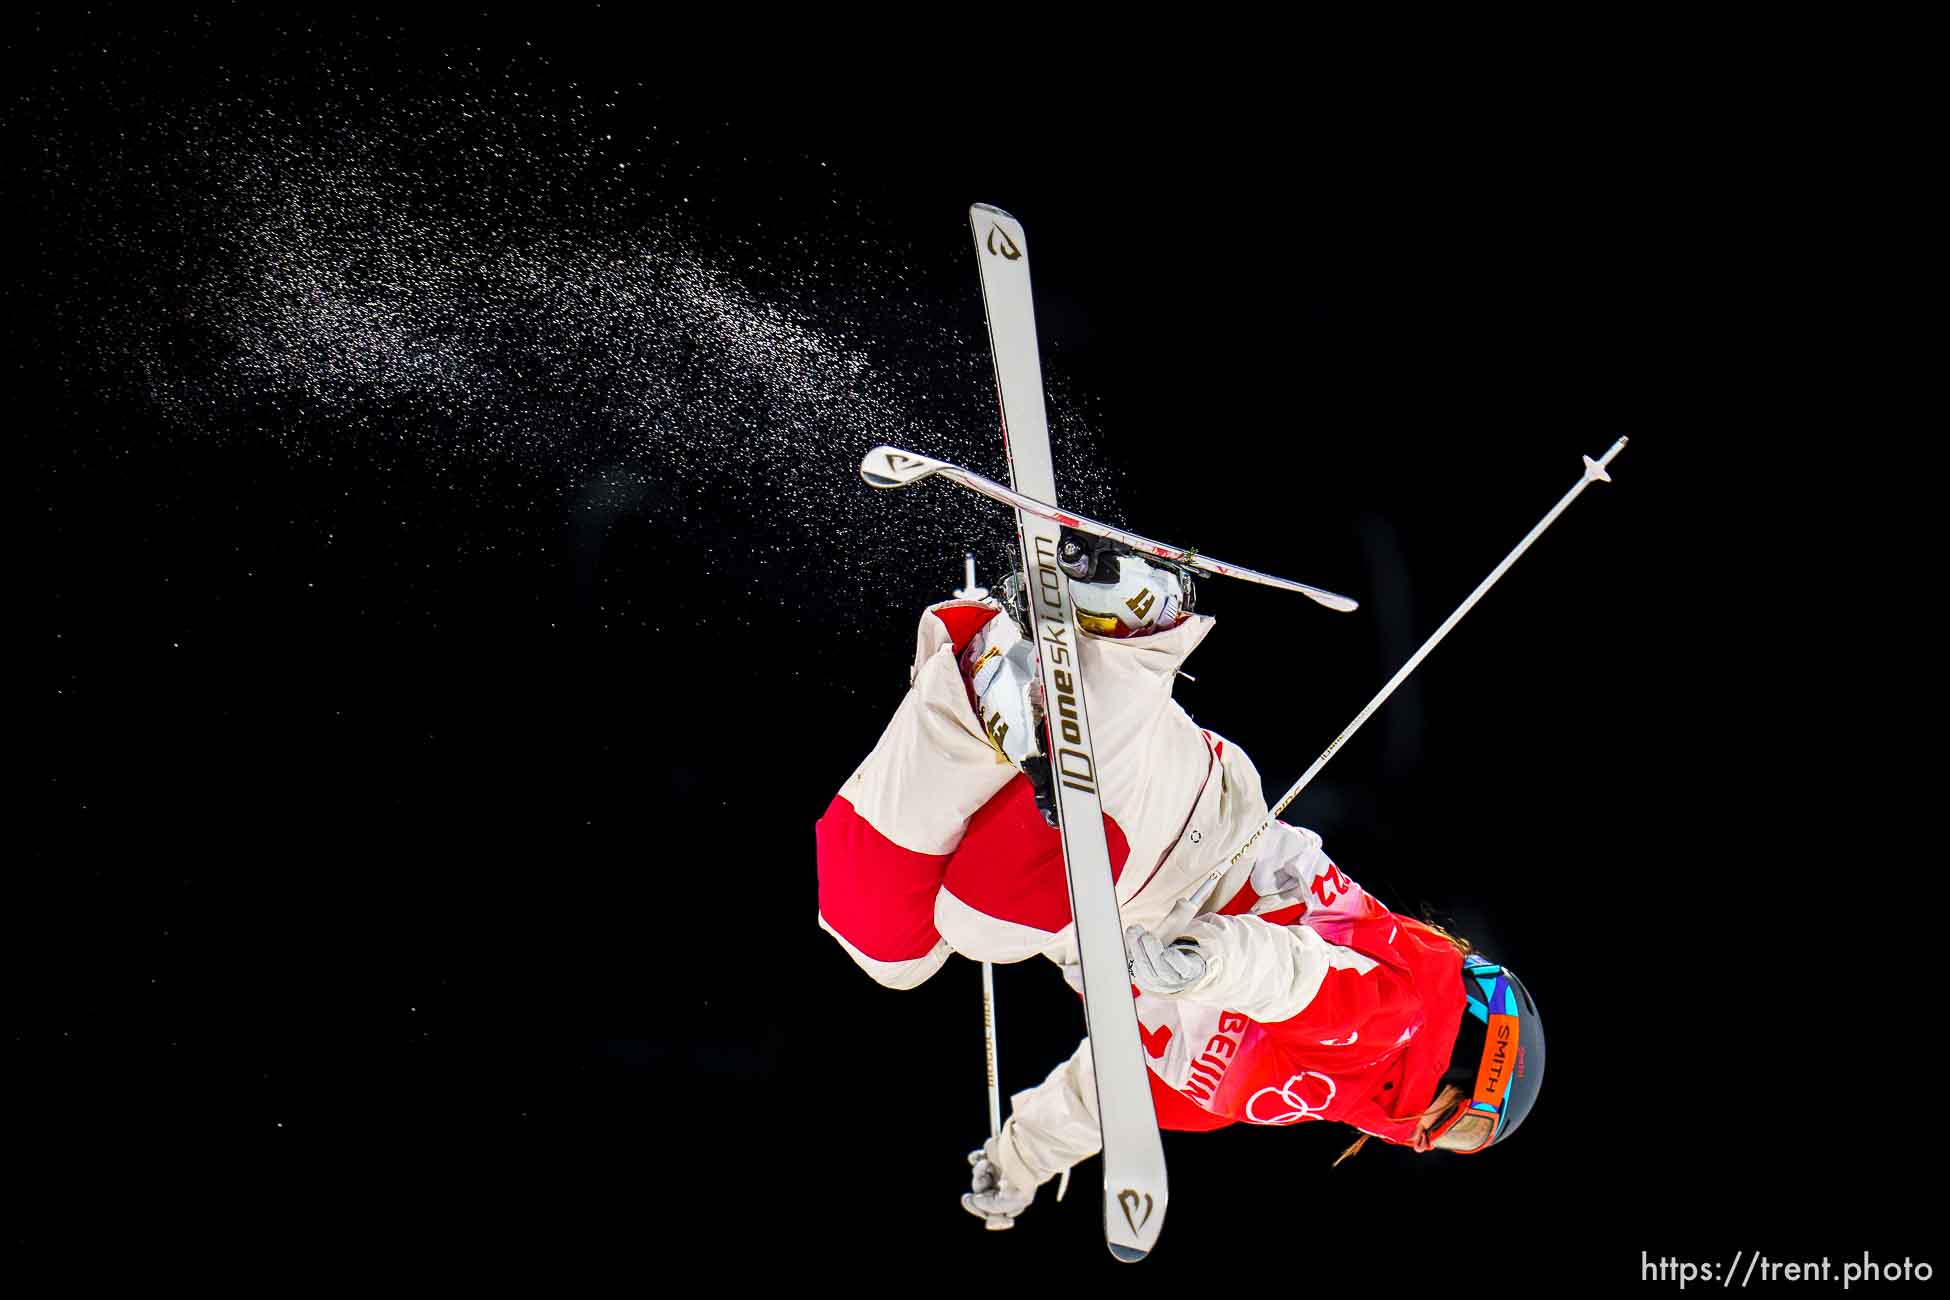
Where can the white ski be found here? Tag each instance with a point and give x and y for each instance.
(1134, 1156)
(896, 467)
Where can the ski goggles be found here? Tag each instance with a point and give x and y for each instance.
(1478, 1120)
(1468, 1130)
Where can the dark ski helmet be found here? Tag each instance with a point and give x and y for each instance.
(1498, 1060)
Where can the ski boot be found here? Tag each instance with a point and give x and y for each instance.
(1119, 593)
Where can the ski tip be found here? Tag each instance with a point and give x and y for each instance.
(989, 208)
(891, 467)
(1329, 599)
(1126, 1254)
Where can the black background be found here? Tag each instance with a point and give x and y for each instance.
(443, 894)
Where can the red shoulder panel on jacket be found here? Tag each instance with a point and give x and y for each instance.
(1010, 863)
(877, 894)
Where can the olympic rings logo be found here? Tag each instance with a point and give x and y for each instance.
(1290, 1093)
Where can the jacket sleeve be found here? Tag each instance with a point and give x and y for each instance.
(1052, 1125)
(1292, 868)
(1262, 970)
(1151, 759)
(883, 845)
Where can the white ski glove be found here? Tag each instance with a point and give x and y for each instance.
(995, 1198)
(1162, 961)
(1006, 688)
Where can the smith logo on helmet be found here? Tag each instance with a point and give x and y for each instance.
(1499, 1051)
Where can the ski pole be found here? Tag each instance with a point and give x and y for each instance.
(995, 1222)
(970, 591)
(1594, 472)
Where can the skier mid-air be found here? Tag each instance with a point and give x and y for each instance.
(1039, 791)
(1270, 988)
